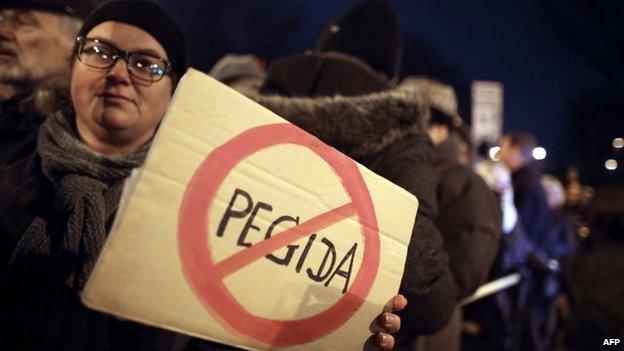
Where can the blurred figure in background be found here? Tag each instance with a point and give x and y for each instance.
(577, 202)
(559, 243)
(469, 216)
(36, 40)
(516, 153)
(489, 323)
(557, 246)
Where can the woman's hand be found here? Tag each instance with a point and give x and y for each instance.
(390, 323)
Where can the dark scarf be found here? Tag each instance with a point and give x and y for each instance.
(56, 253)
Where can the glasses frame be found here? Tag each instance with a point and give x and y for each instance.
(125, 55)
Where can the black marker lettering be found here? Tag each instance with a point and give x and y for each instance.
(291, 248)
(249, 225)
(305, 252)
(344, 274)
(233, 213)
(319, 276)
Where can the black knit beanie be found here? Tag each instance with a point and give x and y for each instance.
(369, 31)
(148, 16)
(74, 8)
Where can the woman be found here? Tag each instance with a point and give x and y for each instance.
(129, 57)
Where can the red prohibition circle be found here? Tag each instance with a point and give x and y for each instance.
(195, 252)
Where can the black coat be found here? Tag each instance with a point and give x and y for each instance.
(469, 219)
(23, 189)
(530, 200)
(18, 129)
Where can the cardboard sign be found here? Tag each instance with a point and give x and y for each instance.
(246, 230)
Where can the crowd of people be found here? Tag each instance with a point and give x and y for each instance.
(83, 89)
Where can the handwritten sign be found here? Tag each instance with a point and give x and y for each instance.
(246, 230)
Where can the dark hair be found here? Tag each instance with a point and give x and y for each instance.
(441, 118)
(523, 139)
(463, 132)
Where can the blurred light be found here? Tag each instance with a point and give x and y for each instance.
(494, 150)
(584, 232)
(589, 192)
(539, 153)
(553, 265)
(611, 164)
(618, 143)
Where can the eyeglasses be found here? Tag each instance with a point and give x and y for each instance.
(100, 55)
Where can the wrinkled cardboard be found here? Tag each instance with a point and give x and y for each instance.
(141, 274)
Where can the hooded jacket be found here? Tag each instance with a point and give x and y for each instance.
(384, 131)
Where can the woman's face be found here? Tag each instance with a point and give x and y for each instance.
(116, 113)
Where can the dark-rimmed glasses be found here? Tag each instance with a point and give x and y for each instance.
(98, 54)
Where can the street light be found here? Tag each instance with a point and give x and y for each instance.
(539, 153)
(494, 150)
(611, 164)
(618, 143)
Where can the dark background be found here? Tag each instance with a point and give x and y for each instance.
(561, 62)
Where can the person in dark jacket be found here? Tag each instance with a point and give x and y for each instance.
(345, 93)
(516, 152)
(489, 322)
(75, 177)
(469, 216)
(36, 40)
(84, 156)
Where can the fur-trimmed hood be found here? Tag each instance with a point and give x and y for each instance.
(357, 125)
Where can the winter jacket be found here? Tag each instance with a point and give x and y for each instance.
(469, 219)
(530, 200)
(384, 131)
(18, 129)
(23, 188)
(26, 193)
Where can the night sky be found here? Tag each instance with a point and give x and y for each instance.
(561, 62)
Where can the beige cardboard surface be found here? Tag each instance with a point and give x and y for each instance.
(190, 252)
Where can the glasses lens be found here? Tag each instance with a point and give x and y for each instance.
(97, 55)
(147, 67)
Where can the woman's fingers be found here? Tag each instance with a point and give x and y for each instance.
(399, 303)
(384, 341)
(390, 322)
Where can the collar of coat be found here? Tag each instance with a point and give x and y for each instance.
(356, 125)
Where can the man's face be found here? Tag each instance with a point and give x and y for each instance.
(510, 155)
(34, 45)
(438, 133)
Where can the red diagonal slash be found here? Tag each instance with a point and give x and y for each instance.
(288, 236)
